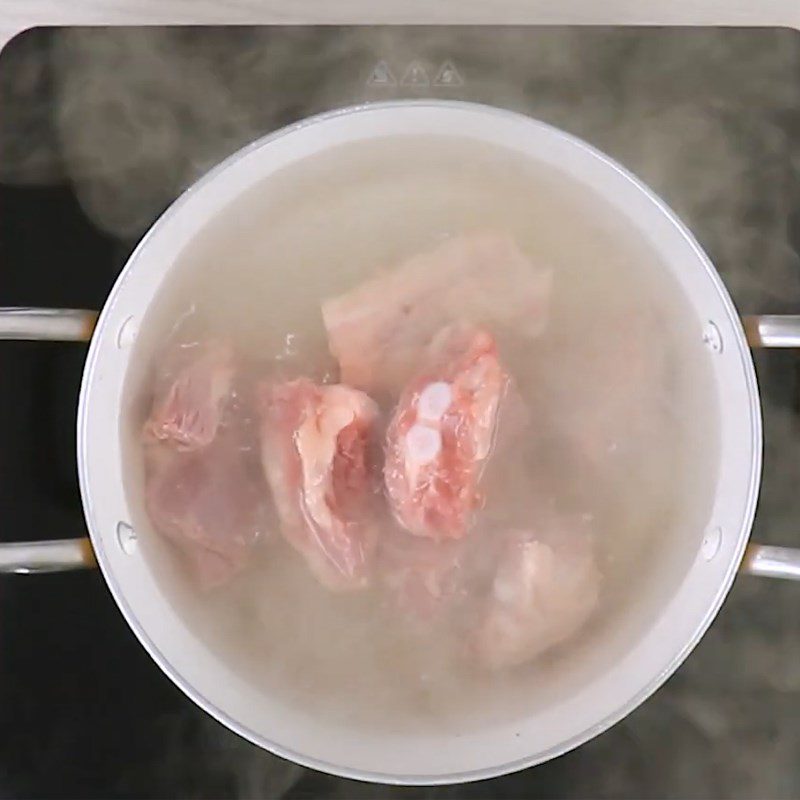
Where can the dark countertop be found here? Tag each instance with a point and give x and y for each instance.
(710, 119)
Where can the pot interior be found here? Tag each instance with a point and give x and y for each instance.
(252, 251)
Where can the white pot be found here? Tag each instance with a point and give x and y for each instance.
(606, 696)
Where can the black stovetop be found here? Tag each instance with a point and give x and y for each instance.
(100, 129)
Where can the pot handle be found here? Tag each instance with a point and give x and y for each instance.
(759, 559)
(76, 325)
(47, 324)
(767, 561)
(54, 325)
(779, 330)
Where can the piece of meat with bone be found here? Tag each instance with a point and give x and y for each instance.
(194, 389)
(442, 433)
(377, 330)
(545, 588)
(315, 444)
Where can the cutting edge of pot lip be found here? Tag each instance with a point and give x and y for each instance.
(505, 768)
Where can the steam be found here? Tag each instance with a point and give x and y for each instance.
(29, 147)
(227, 762)
(142, 112)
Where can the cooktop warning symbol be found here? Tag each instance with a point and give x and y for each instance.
(381, 75)
(448, 75)
(416, 75)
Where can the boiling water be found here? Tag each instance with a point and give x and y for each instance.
(258, 274)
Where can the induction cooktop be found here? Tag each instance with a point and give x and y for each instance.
(100, 129)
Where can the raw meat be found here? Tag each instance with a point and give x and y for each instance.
(315, 443)
(377, 330)
(208, 503)
(423, 577)
(188, 409)
(545, 588)
(442, 433)
(200, 491)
